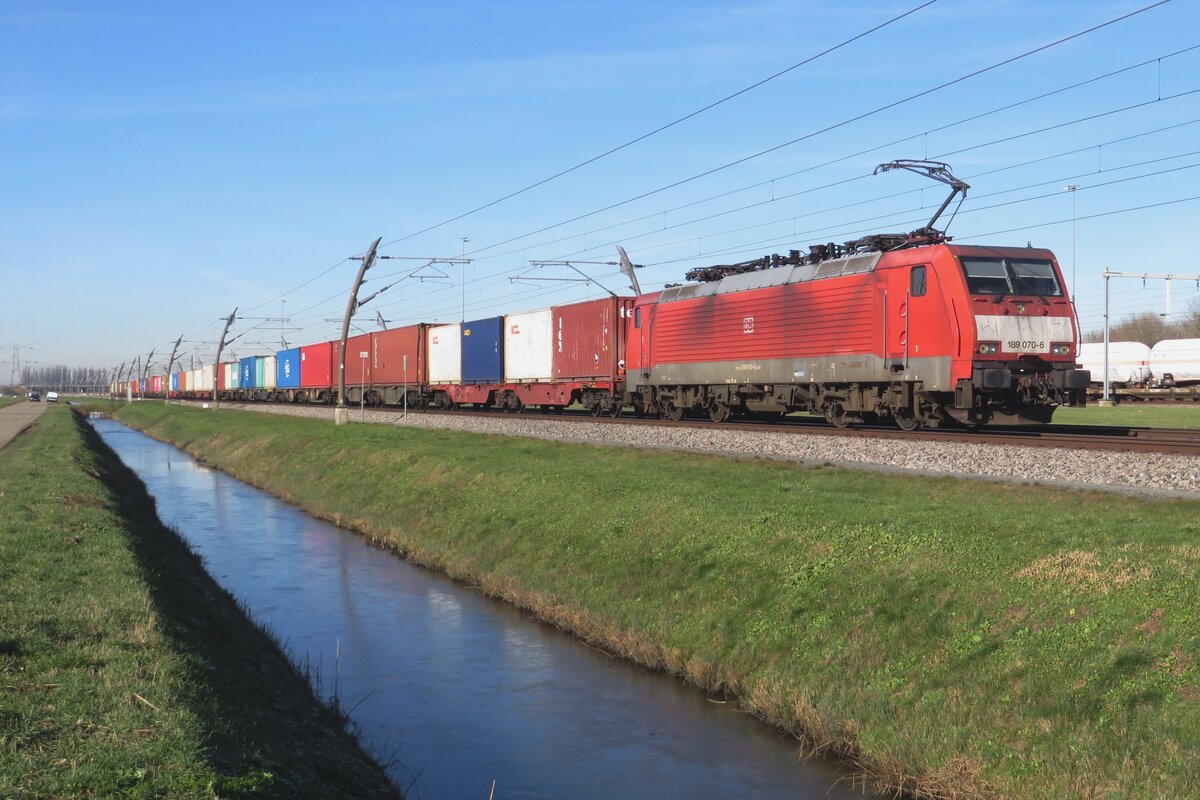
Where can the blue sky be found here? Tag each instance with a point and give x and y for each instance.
(166, 162)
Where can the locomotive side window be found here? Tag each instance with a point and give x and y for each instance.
(986, 276)
(917, 285)
(1035, 277)
(637, 317)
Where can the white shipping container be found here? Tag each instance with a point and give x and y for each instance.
(1128, 362)
(445, 354)
(529, 346)
(269, 372)
(207, 373)
(1180, 358)
(194, 379)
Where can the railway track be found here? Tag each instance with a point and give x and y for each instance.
(1125, 439)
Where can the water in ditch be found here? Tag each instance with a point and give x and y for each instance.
(454, 689)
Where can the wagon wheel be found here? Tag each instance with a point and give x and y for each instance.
(719, 412)
(615, 410)
(906, 420)
(672, 412)
(639, 410)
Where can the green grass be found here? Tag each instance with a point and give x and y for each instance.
(947, 636)
(1146, 415)
(10, 401)
(124, 670)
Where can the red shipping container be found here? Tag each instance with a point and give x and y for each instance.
(589, 339)
(358, 367)
(156, 383)
(221, 373)
(316, 366)
(388, 350)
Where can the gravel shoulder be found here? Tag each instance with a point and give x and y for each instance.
(1148, 474)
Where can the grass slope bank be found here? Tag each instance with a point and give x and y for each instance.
(957, 638)
(1149, 415)
(124, 669)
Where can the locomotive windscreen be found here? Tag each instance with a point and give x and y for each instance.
(1011, 276)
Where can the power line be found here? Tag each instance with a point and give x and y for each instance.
(828, 128)
(925, 133)
(892, 143)
(662, 128)
(994, 66)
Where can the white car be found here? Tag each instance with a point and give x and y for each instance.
(51, 397)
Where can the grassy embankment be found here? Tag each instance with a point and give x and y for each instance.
(1140, 415)
(10, 401)
(124, 670)
(953, 638)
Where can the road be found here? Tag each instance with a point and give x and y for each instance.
(15, 419)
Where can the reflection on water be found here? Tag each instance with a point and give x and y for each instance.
(460, 690)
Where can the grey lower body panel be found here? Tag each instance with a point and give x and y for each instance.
(932, 373)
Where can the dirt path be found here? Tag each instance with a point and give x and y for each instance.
(15, 419)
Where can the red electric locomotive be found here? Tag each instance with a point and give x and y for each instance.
(907, 327)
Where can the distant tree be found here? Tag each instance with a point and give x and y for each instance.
(1188, 325)
(1148, 328)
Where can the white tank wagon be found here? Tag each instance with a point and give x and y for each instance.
(1128, 362)
(1176, 362)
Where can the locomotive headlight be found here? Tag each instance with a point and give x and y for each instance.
(1060, 349)
(989, 348)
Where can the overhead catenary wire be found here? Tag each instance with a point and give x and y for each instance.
(876, 148)
(824, 230)
(827, 128)
(961, 78)
(941, 127)
(667, 126)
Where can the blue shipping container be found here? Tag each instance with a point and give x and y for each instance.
(174, 381)
(287, 368)
(246, 373)
(483, 351)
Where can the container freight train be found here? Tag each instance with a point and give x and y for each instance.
(904, 328)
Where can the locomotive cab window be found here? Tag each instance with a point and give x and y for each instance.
(916, 282)
(986, 276)
(1011, 276)
(637, 317)
(1035, 277)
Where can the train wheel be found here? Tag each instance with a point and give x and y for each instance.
(615, 410)
(837, 415)
(672, 412)
(719, 412)
(906, 420)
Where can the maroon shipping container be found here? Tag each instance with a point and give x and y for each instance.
(358, 368)
(589, 339)
(316, 366)
(388, 349)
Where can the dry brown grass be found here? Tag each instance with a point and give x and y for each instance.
(1082, 570)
